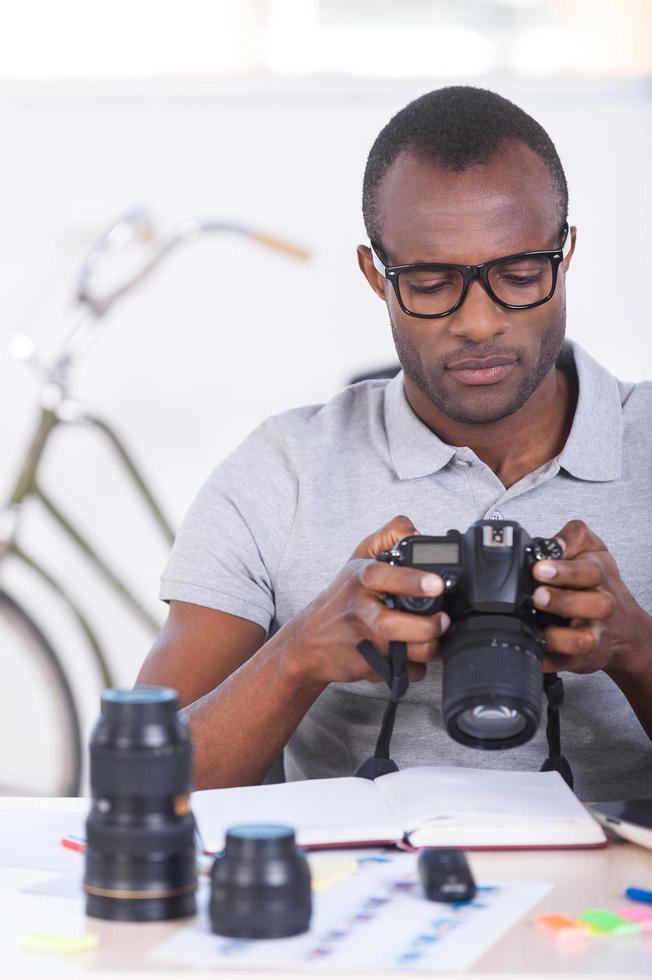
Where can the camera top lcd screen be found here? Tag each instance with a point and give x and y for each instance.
(435, 553)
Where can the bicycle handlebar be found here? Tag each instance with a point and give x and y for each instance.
(136, 225)
(188, 231)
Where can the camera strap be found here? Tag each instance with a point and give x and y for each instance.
(556, 762)
(393, 670)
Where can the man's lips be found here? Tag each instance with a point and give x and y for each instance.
(482, 370)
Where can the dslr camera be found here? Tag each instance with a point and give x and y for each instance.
(492, 688)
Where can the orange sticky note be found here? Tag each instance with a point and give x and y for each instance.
(561, 925)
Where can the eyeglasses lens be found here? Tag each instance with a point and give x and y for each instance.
(522, 281)
(519, 282)
(428, 292)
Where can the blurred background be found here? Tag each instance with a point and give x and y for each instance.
(260, 112)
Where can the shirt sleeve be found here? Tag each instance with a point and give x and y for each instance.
(230, 544)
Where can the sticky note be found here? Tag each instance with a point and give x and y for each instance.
(604, 921)
(43, 942)
(327, 872)
(642, 916)
(561, 925)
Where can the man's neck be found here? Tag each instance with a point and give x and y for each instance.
(518, 444)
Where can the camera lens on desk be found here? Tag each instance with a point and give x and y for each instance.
(140, 851)
(260, 884)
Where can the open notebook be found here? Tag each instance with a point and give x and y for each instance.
(425, 806)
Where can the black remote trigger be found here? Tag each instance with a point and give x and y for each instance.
(446, 875)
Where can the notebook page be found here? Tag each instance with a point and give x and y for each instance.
(322, 811)
(487, 807)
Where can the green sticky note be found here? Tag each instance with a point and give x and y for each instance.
(603, 921)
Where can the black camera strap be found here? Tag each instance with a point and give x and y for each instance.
(393, 670)
(556, 762)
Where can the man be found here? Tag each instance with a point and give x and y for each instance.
(492, 417)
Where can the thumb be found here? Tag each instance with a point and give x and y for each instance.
(385, 538)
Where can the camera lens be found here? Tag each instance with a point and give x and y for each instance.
(260, 884)
(491, 721)
(492, 682)
(140, 853)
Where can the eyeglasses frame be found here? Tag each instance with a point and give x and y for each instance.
(472, 272)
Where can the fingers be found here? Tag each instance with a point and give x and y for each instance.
(597, 605)
(577, 537)
(578, 640)
(576, 663)
(572, 648)
(423, 653)
(382, 540)
(388, 624)
(577, 574)
(421, 634)
(378, 576)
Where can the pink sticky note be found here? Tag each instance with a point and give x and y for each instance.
(634, 914)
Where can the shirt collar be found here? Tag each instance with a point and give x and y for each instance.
(414, 448)
(593, 450)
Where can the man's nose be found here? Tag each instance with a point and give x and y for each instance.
(479, 317)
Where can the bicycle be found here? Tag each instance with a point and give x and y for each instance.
(44, 715)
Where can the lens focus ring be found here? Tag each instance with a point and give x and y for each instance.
(162, 772)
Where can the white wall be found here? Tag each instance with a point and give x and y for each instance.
(226, 334)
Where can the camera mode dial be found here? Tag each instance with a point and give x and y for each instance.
(541, 549)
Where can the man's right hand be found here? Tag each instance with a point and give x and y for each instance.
(321, 640)
(250, 695)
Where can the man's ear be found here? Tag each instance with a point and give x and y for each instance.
(370, 272)
(573, 237)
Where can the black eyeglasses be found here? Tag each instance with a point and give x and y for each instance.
(434, 289)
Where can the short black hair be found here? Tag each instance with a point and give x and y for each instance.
(456, 127)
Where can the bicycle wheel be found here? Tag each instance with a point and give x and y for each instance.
(40, 732)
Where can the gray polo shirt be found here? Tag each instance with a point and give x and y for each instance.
(278, 518)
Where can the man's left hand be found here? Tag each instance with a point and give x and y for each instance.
(608, 629)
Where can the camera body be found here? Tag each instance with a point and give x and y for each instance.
(492, 652)
(486, 569)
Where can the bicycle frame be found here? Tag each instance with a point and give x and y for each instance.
(27, 485)
(57, 409)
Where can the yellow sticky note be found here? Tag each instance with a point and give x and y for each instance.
(43, 942)
(327, 872)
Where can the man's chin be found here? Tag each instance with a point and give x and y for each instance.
(468, 418)
(479, 407)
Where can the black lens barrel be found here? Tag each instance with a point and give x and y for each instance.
(492, 661)
(140, 851)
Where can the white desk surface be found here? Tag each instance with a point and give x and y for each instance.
(580, 879)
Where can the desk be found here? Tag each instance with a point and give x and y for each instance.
(579, 879)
